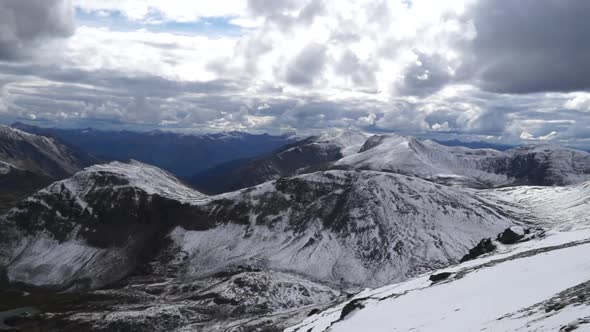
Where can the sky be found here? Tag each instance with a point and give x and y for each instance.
(511, 71)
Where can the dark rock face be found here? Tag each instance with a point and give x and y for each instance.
(483, 247)
(17, 185)
(351, 306)
(538, 166)
(439, 277)
(372, 142)
(512, 235)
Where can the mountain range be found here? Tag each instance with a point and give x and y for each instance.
(181, 154)
(333, 232)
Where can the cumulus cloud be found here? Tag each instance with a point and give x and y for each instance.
(24, 23)
(420, 67)
(307, 66)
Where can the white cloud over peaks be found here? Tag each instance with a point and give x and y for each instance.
(579, 102)
(421, 66)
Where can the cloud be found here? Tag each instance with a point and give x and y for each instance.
(579, 102)
(428, 74)
(530, 137)
(154, 11)
(529, 46)
(421, 67)
(24, 23)
(307, 66)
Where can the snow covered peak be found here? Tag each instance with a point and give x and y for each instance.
(348, 141)
(14, 134)
(136, 175)
(426, 159)
(40, 154)
(538, 165)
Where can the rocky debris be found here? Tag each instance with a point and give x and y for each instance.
(313, 312)
(356, 304)
(512, 235)
(438, 277)
(575, 324)
(483, 247)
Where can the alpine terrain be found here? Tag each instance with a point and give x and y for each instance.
(334, 232)
(30, 162)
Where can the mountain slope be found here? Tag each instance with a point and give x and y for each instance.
(307, 155)
(285, 247)
(478, 168)
(348, 228)
(540, 285)
(30, 162)
(183, 155)
(91, 229)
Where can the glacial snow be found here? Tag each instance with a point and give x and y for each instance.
(510, 291)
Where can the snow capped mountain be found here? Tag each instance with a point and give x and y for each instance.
(87, 231)
(310, 154)
(348, 228)
(30, 162)
(479, 168)
(349, 142)
(340, 213)
(325, 231)
(39, 154)
(546, 165)
(426, 159)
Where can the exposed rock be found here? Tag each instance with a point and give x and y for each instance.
(439, 276)
(512, 235)
(483, 247)
(356, 304)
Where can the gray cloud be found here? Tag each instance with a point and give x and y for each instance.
(361, 74)
(286, 14)
(428, 75)
(26, 22)
(530, 45)
(307, 65)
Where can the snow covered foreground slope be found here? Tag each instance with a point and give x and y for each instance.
(542, 284)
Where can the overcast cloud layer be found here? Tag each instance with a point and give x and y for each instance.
(505, 70)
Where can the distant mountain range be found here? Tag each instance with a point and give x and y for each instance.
(304, 156)
(427, 159)
(183, 155)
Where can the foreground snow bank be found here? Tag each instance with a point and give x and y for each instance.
(539, 286)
